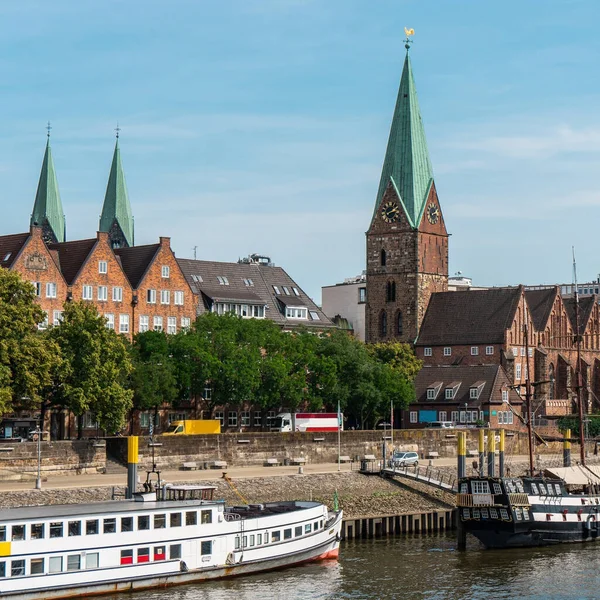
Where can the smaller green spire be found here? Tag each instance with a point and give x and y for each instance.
(116, 218)
(47, 209)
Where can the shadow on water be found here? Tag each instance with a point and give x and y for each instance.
(415, 567)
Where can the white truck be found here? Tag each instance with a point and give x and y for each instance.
(308, 422)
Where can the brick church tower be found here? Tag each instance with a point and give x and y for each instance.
(407, 241)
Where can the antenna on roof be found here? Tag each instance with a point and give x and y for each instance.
(195, 248)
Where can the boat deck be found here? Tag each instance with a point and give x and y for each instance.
(252, 511)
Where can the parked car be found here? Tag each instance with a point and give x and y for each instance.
(441, 425)
(403, 459)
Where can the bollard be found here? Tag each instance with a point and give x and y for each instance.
(132, 463)
(491, 453)
(481, 452)
(501, 460)
(462, 454)
(567, 449)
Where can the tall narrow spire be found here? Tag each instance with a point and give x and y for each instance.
(116, 218)
(47, 209)
(407, 166)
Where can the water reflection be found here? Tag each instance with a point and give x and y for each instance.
(416, 568)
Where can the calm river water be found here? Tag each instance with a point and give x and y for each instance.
(416, 567)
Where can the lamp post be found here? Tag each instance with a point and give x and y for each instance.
(384, 425)
(38, 437)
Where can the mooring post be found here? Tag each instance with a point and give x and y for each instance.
(481, 452)
(567, 449)
(462, 454)
(461, 533)
(491, 453)
(132, 463)
(501, 460)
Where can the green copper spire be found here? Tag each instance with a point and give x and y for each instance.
(47, 210)
(116, 216)
(407, 165)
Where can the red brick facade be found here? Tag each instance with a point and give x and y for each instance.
(404, 267)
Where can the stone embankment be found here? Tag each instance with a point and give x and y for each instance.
(359, 495)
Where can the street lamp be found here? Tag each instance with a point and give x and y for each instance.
(37, 436)
(385, 426)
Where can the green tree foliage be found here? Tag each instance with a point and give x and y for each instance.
(96, 367)
(153, 378)
(572, 423)
(27, 357)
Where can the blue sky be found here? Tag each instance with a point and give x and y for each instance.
(261, 126)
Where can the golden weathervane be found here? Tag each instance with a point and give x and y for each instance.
(409, 33)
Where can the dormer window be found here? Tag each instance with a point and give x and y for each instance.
(6, 257)
(476, 389)
(222, 280)
(276, 290)
(473, 393)
(433, 390)
(452, 390)
(197, 278)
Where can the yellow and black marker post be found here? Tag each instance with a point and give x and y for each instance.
(491, 453)
(481, 452)
(132, 463)
(462, 454)
(567, 449)
(501, 458)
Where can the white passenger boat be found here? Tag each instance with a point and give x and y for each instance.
(175, 535)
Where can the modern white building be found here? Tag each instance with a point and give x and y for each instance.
(344, 303)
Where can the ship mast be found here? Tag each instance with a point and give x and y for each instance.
(578, 385)
(528, 393)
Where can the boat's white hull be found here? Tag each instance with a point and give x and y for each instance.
(324, 550)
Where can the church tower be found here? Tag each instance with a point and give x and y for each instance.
(407, 241)
(116, 218)
(47, 209)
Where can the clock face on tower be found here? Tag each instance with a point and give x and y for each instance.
(433, 213)
(390, 212)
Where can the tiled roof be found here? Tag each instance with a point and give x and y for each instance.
(540, 303)
(464, 376)
(10, 246)
(247, 279)
(135, 261)
(585, 311)
(471, 317)
(72, 256)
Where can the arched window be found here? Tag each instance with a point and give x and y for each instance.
(383, 258)
(552, 384)
(390, 291)
(383, 324)
(399, 324)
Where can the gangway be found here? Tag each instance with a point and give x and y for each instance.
(428, 475)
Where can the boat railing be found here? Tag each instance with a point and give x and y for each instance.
(230, 516)
(471, 500)
(518, 499)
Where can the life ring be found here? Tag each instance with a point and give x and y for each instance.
(35, 437)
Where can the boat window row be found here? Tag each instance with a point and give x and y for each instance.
(52, 564)
(58, 529)
(485, 513)
(249, 541)
(129, 556)
(546, 489)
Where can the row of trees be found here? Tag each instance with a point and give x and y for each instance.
(82, 366)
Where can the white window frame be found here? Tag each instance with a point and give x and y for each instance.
(449, 394)
(443, 415)
(102, 267)
(102, 293)
(172, 325)
(186, 323)
(489, 350)
(110, 320)
(296, 312)
(117, 294)
(504, 395)
(150, 296)
(87, 292)
(38, 288)
(447, 351)
(257, 418)
(165, 272)
(51, 290)
(474, 350)
(123, 323)
(245, 417)
(431, 394)
(518, 371)
(427, 352)
(232, 418)
(454, 416)
(165, 296)
(474, 393)
(220, 416)
(57, 317)
(144, 323)
(157, 323)
(178, 298)
(414, 416)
